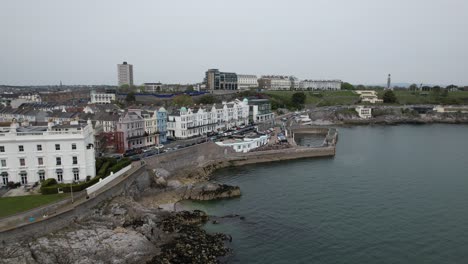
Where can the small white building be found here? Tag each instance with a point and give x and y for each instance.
(245, 82)
(364, 112)
(244, 145)
(29, 154)
(369, 96)
(102, 98)
(31, 97)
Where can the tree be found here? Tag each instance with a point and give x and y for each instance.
(298, 100)
(436, 91)
(360, 87)
(207, 99)
(189, 88)
(182, 100)
(130, 97)
(413, 87)
(389, 97)
(347, 86)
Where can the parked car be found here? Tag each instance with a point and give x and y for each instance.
(158, 146)
(135, 158)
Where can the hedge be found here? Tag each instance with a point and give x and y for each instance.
(50, 186)
(48, 182)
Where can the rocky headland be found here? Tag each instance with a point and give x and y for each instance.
(382, 116)
(134, 228)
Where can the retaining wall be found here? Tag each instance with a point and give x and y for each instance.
(103, 182)
(63, 219)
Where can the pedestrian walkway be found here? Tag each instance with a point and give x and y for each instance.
(79, 199)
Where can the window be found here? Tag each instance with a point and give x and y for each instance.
(76, 174)
(3, 163)
(5, 178)
(2, 149)
(57, 146)
(41, 176)
(59, 176)
(75, 160)
(21, 148)
(59, 160)
(40, 161)
(73, 146)
(39, 147)
(24, 178)
(22, 162)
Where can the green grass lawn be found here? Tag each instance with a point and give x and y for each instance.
(13, 205)
(417, 97)
(345, 97)
(341, 97)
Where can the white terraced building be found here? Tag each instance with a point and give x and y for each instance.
(29, 154)
(245, 82)
(319, 85)
(102, 98)
(191, 122)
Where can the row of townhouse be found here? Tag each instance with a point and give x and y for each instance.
(275, 82)
(34, 113)
(192, 122)
(131, 129)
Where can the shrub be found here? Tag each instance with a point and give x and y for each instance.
(13, 185)
(48, 182)
(120, 165)
(103, 170)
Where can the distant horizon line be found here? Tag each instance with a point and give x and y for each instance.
(399, 84)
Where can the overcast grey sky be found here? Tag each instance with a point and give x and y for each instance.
(175, 41)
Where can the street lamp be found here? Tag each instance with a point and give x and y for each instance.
(71, 190)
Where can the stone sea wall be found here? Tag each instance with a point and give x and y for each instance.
(139, 180)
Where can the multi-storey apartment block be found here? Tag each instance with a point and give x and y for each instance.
(29, 154)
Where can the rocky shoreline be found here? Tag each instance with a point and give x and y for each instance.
(384, 116)
(134, 229)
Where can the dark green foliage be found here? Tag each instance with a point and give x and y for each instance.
(208, 99)
(49, 182)
(130, 97)
(298, 100)
(347, 86)
(120, 165)
(13, 185)
(389, 97)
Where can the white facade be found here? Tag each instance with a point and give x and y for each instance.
(153, 87)
(369, 96)
(245, 145)
(245, 82)
(30, 154)
(31, 97)
(278, 83)
(102, 98)
(125, 73)
(319, 85)
(187, 123)
(364, 112)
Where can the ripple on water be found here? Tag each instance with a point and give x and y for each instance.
(391, 195)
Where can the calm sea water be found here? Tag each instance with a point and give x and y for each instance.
(394, 194)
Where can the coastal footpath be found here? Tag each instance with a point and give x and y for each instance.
(127, 223)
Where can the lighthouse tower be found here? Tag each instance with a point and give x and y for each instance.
(389, 82)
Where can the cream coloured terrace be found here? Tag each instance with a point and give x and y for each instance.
(369, 96)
